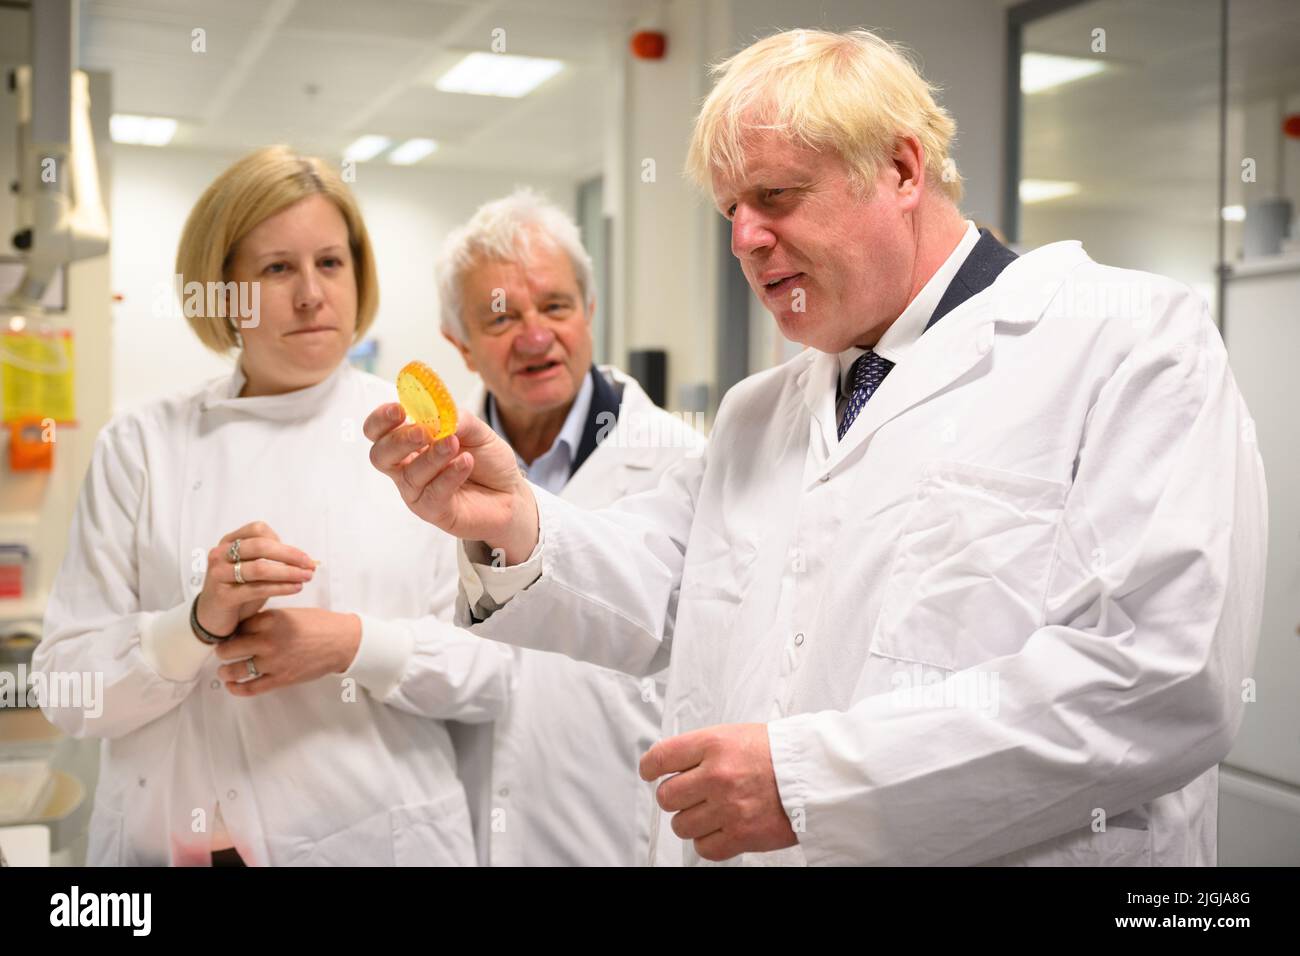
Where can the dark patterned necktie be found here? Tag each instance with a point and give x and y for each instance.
(865, 376)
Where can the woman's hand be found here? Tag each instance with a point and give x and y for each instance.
(468, 484)
(269, 569)
(288, 645)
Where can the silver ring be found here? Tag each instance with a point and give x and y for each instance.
(234, 551)
(239, 571)
(253, 672)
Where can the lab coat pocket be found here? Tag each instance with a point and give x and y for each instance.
(970, 572)
(1114, 846)
(437, 833)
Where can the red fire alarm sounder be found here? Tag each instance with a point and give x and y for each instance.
(649, 45)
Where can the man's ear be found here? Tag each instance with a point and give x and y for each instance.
(463, 349)
(909, 164)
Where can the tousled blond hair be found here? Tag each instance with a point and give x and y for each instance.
(853, 93)
(251, 191)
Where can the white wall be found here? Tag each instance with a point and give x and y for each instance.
(408, 211)
(1175, 247)
(1255, 132)
(667, 289)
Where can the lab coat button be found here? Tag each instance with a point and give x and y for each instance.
(198, 484)
(798, 639)
(216, 684)
(503, 792)
(231, 794)
(825, 477)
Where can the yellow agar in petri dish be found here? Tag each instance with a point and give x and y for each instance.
(426, 399)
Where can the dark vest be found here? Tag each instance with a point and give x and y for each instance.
(605, 400)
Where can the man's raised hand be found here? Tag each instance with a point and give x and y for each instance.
(468, 484)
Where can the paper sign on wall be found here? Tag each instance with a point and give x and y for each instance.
(38, 376)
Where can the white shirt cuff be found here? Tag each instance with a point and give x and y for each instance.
(170, 648)
(788, 746)
(488, 587)
(382, 656)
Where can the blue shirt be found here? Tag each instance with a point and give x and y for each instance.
(550, 470)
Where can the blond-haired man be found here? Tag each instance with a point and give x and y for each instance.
(974, 579)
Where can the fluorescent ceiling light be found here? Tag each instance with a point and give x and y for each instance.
(366, 147)
(131, 130)
(1042, 71)
(412, 151)
(1234, 213)
(498, 74)
(1041, 190)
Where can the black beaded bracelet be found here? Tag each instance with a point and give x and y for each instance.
(207, 637)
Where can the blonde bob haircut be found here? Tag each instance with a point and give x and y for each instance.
(853, 93)
(251, 191)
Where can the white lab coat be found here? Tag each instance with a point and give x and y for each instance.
(554, 780)
(1014, 606)
(353, 768)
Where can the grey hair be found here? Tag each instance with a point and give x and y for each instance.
(502, 230)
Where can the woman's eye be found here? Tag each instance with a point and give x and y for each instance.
(731, 210)
(773, 193)
(333, 262)
(276, 267)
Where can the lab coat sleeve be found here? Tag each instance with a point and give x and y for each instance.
(428, 666)
(609, 582)
(95, 630)
(1132, 688)
(170, 647)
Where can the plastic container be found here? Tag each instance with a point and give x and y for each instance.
(25, 789)
(66, 811)
(25, 846)
(14, 560)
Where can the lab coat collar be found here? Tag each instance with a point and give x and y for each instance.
(962, 341)
(223, 395)
(622, 466)
(632, 400)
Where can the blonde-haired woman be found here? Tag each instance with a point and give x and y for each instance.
(267, 621)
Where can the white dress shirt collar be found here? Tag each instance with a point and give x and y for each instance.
(551, 469)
